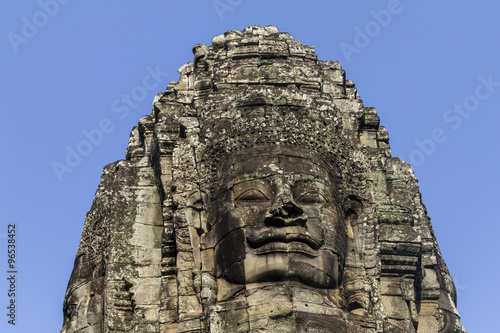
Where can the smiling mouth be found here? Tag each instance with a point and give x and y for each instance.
(288, 240)
(275, 247)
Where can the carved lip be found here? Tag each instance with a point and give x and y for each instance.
(288, 247)
(287, 239)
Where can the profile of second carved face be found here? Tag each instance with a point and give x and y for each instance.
(276, 216)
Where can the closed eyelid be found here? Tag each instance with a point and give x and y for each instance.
(198, 205)
(305, 187)
(261, 185)
(312, 197)
(252, 194)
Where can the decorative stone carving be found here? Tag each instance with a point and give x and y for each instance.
(260, 195)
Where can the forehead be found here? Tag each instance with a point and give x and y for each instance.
(264, 166)
(260, 163)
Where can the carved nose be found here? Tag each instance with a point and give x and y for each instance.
(285, 212)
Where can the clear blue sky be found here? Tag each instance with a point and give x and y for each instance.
(430, 68)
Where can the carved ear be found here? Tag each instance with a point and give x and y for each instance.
(196, 211)
(354, 284)
(353, 208)
(350, 219)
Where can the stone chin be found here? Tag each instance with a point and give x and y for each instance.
(317, 272)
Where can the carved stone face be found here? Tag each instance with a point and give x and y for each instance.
(83, 310)
(278, 218)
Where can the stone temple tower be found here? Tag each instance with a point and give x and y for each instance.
(259, 195)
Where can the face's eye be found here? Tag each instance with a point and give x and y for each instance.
(71, 309)
(198, 205)
(252, 195)
(312, 198)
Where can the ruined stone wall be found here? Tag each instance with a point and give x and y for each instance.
(146, 258)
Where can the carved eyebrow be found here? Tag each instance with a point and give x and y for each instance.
(306, 178)
(314, 185)
(261, 185)
(312, 197)
(302, 178)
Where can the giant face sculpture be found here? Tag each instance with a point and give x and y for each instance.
(277, 217)
(240, 195)
(83, 306)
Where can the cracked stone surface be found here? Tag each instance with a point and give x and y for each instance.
(260, 195)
